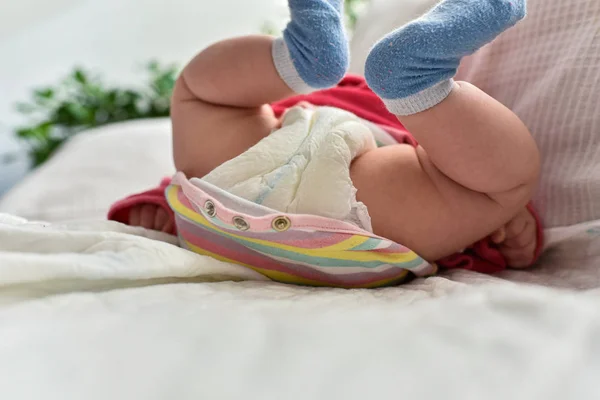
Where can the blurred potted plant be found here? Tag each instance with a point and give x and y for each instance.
(82, 101)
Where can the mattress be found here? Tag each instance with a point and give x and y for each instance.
(97, 310)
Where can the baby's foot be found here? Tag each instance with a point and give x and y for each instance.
(517, 240)
(411, 68)
(150, 216)
(313, 53)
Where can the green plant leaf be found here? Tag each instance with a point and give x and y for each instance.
(80, 76)
(24, 133)
(40, 154)
(26, 108)
(42, 131)
(44, 94)
(269, 28)
(153, 66)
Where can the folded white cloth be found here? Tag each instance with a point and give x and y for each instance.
(42, 259)
(304, 167)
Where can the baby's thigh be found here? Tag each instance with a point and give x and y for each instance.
(385, 182)
(413, 204)
(205, 135)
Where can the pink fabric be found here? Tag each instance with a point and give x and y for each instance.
(484, 257)
(120, 210)
(258, 223)
(353, 95)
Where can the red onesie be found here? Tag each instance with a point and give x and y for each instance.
(352, 94)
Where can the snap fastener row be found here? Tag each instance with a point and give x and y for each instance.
(281, 224)
(241, 223)
(210, 209)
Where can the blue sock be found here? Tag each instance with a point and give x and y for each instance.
(411, 69)
(313, 53)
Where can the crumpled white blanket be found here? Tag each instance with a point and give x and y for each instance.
(39, 259)
(304, 167)
(90, 310)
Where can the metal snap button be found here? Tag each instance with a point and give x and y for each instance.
(210, 209)
(281, 224)
(241, 223)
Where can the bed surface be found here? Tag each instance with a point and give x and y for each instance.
(96, 310)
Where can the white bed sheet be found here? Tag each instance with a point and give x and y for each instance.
(90, 310)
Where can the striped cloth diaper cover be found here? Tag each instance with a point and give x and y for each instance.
(289, 248)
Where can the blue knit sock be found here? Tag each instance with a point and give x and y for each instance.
(411, 69)
(313, 53)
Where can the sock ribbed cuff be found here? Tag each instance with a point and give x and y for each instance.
(285, 68)
(421, 101)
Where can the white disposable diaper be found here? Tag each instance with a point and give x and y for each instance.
(304, 167)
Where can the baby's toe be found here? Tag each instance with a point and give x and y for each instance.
(518, 258)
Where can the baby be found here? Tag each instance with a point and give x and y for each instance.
(471, 174)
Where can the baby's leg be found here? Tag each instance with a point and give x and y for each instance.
(219, 106)
(477, 164)
(470, 137)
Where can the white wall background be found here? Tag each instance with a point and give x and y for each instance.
(42, 40)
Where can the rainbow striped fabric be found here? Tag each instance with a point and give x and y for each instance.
(289, 248)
